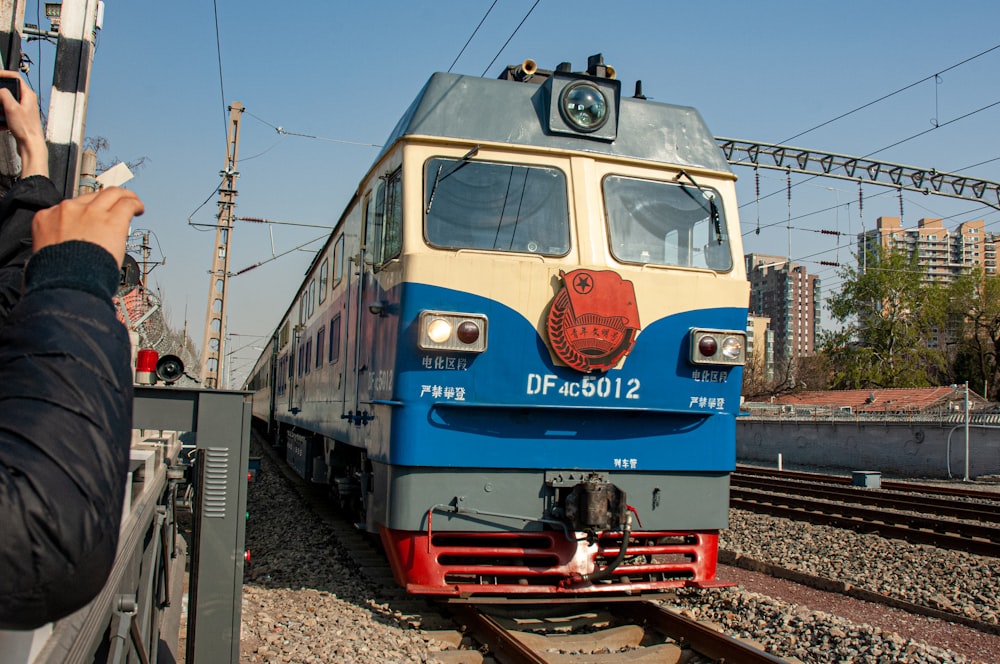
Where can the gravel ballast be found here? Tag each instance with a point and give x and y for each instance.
(305, 601)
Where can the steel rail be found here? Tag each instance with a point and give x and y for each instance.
(702, 638)
(501, 642)
(945, 507)
(982, 540)
(706, 641)
(889, 485)
(735, 559)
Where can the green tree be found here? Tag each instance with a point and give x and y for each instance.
(974, 331)
(890, 321)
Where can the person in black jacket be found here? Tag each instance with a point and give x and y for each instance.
(31, 193)
(65, 385)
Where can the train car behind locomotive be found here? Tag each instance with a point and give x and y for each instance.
(518, 358)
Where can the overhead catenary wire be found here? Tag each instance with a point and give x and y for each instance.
(258, 220)
(899, 142)
(936, 124)
(277, 256)
(860, 202)
(469, 40)
(222, 85)
(203, 204)
(933, 76)
(284, 132)
(261, 153)
(495, 57)
(828, 265)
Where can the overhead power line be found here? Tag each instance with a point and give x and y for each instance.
(469, 40)
(222, 85)
(891, 94)
(936, 125)
(509, 38)
(284, 132)
(258, 220)
(277, 256)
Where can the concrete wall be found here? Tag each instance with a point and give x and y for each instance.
(908, 449)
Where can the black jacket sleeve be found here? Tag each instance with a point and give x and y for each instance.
(65, 430)
(17, 208)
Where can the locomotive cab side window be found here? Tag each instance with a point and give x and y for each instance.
(323, 272)
(372, 222)
(385, 222)
(392, 238)
(338, 261)
(666, 223)
(496, 207)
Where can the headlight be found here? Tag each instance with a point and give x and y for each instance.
(732, 348)
(441, 330)
(718, 347)
(584, 106)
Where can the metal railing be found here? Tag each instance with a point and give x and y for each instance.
(942, 416)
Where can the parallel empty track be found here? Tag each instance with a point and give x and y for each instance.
(954, 523)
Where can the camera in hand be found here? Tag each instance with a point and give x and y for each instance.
(14, 85)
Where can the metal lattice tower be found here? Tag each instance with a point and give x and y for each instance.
(214, 346)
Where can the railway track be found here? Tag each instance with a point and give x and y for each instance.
(887, 485)
(951, 524)
(938, 507)
(519, 631)
(848, 589)
(628, 631)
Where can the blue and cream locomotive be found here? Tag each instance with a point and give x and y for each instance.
(518, 358)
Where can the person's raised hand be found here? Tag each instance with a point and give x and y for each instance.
(101, 217)
(24, 122)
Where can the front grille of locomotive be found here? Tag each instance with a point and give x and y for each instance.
(541, 559)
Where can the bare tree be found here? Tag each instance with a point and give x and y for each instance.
(100, 144)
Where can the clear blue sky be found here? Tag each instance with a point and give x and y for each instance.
(763, 71)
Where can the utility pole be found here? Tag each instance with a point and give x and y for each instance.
(78, 24)
(214, 346)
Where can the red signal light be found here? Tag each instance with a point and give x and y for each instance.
(468, 332)
(707, 346)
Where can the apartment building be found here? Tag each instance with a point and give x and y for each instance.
(789, 296)
(943, 254)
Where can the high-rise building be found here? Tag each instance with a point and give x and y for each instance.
(790, 297)
(943, 254)
(760, 345)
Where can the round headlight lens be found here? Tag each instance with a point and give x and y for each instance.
(439, 330)
(584, 106)
(732, 347)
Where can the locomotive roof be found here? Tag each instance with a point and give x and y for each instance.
(481, 109)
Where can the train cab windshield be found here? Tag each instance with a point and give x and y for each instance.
(666, 223)
(495, 206)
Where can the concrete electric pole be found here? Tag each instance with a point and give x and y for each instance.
(214, 347)
(79, 21)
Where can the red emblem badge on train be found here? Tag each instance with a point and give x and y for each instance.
(593, 320)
